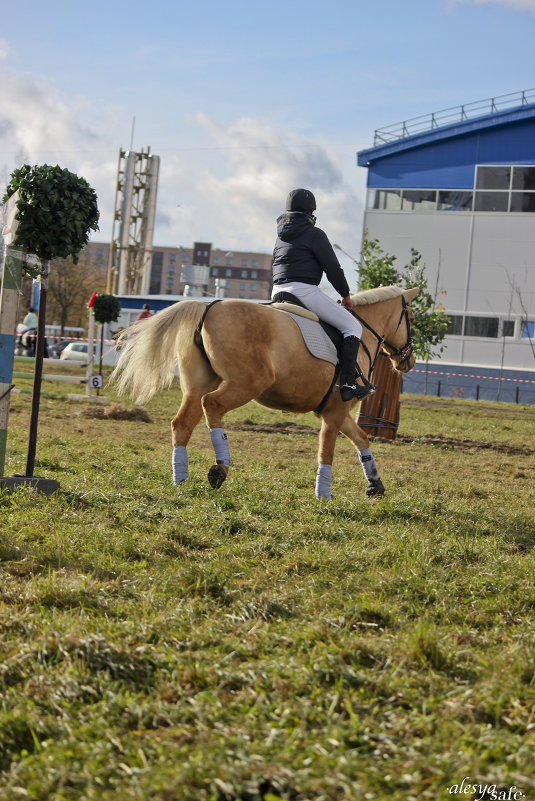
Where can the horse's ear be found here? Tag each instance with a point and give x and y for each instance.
(411, 293)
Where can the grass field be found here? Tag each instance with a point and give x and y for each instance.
(253, 643)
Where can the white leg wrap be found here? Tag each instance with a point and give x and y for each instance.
(323, 481)
(368, 464)
(220, 445)
(180, 464)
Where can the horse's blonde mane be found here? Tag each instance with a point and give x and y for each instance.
(368, 296)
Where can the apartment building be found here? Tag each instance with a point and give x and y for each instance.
(220, 273)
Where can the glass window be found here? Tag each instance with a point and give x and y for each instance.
(244, 273)
(508, 328)
(255, 262)
(453, 200)
(242, 286)
(481, 326)
(493, 177)
(172, 258)
(523, 201)
(229, 259)
(253, 274)
(388, 199)
(252, 287)
(419, 199)
(228, 273)
(244, 262)
(528, 329)
(215, 271)
(216, 260)
(455, 326)
(524, 178)
(491, 201)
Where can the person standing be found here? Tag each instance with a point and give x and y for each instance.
(144, 313)
(302, 255)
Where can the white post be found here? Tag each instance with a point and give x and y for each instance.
(90, 340)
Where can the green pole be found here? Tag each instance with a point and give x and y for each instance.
(9, 315)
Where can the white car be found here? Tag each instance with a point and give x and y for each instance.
(76, 351)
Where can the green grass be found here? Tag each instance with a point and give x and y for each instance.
(253, 643)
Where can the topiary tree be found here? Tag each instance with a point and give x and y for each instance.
(106, 309)
(376, 268)
(56, 210)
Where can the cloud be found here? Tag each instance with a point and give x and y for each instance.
(256, 168)
(228, 188)
(521, 5)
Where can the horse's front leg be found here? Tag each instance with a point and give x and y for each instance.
(327, 442)
(361, 442)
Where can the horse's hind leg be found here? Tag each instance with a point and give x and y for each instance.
(229, 395)
(362, 444)
(182, 426)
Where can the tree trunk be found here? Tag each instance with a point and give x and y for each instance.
(38, 374)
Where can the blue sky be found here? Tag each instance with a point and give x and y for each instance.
(241, 100)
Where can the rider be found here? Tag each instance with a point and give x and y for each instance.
(302, 254)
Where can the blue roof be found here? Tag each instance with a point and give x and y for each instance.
(446, 157)
(461, 128)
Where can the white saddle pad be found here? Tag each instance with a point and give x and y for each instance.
(315, 338)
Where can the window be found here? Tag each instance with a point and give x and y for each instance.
(523, 201)
(171, 269)
(528, 329)
(254, 274)
(216, 260)
(172, 258)
(481, 327)
(455, 200)
(419, 200)
(388, 199)
(242, 286)
(215, 271)
(244, 273)
(252, 287)
(244, 262)
(228, 273)
(255, 262)
(493, 177)
(491, 201)
(508, 328)
(524, 178)
(455, 326)
(229, 259)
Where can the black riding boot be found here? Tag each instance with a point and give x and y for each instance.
(349, 371)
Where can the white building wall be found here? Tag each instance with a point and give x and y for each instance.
(481, 264)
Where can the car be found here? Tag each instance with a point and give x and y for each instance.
(76, 351)
(54, 351)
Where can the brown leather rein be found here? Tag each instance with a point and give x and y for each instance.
(404, 352)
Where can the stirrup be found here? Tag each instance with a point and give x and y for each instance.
(350, 391)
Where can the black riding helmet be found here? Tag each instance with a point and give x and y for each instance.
(301, 200)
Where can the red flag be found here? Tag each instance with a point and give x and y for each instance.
(92, 300)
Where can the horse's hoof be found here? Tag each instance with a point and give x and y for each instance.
(216, 475)
(375, 487)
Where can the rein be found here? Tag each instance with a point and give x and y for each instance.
(405, 351)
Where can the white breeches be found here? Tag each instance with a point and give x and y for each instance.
(325, 307)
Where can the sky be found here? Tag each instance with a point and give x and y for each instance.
(243, 101)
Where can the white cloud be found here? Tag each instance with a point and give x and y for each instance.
(521, 5)
(228, 191)
(245, 193)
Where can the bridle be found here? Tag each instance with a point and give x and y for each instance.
(405, 352)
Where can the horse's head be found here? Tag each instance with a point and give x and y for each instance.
(398, 344)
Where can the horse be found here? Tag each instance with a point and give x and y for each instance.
(232, 352)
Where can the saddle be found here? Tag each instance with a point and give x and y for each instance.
(285, 301)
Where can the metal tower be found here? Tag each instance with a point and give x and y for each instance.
(133, 223)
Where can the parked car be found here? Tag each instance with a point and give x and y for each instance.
(76, 351)
(56, 349)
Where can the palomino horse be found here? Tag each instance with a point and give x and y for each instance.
(232, 352)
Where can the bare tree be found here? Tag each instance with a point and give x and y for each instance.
(70, 287)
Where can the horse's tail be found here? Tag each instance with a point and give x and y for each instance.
(149, 349)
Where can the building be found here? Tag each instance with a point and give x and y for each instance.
(229, 274)
(459, 187)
